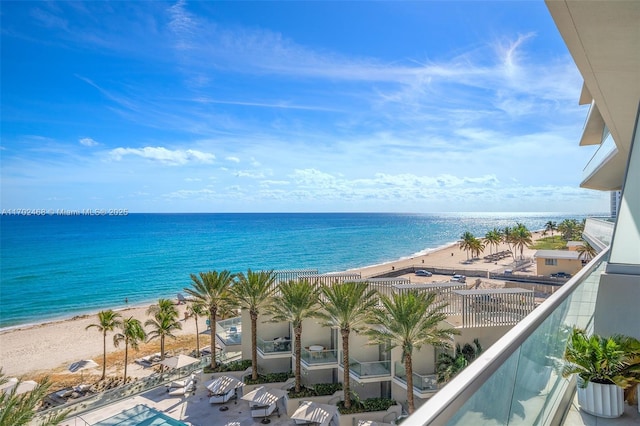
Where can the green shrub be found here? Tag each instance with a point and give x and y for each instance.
(268, 378)
(323, 389)
(231, 366)
(320, 389)
(367, 405)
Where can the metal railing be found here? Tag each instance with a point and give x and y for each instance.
(365, 369)
(75, 407)
(516, 381)
(326, 356)
(276, 346)
(421, 382)
(229, 331)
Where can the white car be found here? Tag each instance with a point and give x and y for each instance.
(423, 273)
(459, 278)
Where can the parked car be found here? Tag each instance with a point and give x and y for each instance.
(560, 275)
(423, 273)
(459, 278)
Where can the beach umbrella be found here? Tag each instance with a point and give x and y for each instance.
(312, 412)
(179, 361)
(222, 385)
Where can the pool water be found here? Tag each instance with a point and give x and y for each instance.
(140, 415)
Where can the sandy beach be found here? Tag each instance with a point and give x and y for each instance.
(33, 351)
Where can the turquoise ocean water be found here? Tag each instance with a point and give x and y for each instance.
(59, 266)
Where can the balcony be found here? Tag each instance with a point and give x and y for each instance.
(368, 371)
(229, 332)
(424, 385)
(515, 382)
(605, 170)
(598, 232)
(314, 358)
(280, 347)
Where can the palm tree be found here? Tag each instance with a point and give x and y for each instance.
(476, 247)
(586, 251)
(410, 320)
(493, 238)
(507, 238)
(467, 242)
(254, 292)
(550, 226)
(449, 366)
(521, 237)
(297, 301)
(346, 306)
(19, 409)
(107, 321)
(212, 290)
(132, 334)
(196, 309)
(163, 305)
(163, 324)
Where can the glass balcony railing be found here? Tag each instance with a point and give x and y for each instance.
(229, 331)
(421, 382)
(599, 232)
(276, 346)
(604, 152)
(316, 357)
(515, 381)
(368, 368)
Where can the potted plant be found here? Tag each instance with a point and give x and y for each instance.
(604, 366)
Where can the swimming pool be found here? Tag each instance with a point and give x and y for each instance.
(140, 415)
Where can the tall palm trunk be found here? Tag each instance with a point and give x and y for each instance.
(297, 331)
(197, 337)
(345, 361)
(126, 356)
(408, 366)
(212, 332)
(254, 345)
(104, 354)
(162, 352)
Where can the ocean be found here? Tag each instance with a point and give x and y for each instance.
(55, 266)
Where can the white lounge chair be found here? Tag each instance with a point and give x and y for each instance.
(222, 398)
(189, 387)
(263, 410)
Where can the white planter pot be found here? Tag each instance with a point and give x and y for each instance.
(601, 400)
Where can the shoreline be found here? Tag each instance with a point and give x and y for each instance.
(50, 346)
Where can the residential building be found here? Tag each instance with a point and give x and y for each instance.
(553, 261)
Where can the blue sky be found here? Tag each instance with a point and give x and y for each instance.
(290, 106)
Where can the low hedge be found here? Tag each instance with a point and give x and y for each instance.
(320, 389)
(268, 378)
(231, 366)
(367, 405)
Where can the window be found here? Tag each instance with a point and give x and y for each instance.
(551, 262)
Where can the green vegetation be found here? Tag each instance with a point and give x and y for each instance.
(19, 409)
(268, 378)
(231, 366)
(108, 321)
(320, 389)
(367, 405)
(449, 366)
(550, 243)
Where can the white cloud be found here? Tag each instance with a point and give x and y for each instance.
(88, 142)
(233, 159)
(164, 155)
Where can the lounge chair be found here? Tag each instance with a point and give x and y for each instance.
(190, 387)
(222, 398)
(262, 410)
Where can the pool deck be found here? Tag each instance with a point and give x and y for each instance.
(193, 410)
